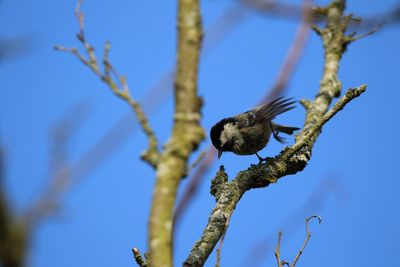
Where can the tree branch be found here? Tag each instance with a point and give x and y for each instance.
(278, 250)
(282, 263)
(260, 250)
(117, 84)
(294, 158)
(308, 236)
(186, 135)
(282, 79)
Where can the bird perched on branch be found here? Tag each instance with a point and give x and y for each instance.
(249, 132)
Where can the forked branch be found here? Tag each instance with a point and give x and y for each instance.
(282, 263)
(294, 158)
(116, 82)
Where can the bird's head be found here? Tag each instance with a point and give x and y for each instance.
(222, 135)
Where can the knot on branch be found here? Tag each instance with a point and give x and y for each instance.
(306, 104)
(151, 156)
(218, 182)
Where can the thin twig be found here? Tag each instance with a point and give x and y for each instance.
(278, 250)
(308, 236)
(280, 262)
(116, 82)
(327, 188)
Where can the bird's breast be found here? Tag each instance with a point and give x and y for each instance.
(252, 140)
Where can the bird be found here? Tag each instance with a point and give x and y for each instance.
(249, 132)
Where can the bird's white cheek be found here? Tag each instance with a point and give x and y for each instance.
(228, 132)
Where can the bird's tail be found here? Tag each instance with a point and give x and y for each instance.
(284, 129)
(276, 129)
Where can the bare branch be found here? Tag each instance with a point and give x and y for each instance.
(294, 158)
(282, 263)
(115, 82)
(278, 250)
(291, 160)
(282, 79)
(261, 249)
(187, 134)
(308, 236)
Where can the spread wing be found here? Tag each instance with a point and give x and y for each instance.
(264, 113)
(269, 111)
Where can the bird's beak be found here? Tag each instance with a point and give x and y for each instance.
(219, 153)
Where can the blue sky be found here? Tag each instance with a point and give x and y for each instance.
(105, 215)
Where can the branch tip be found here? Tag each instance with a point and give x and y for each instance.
(306, 104)
(217, 184)
(138, 258)
(116, 83)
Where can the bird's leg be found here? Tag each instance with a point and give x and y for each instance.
(260, 158)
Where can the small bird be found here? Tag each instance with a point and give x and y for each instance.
(249, 132)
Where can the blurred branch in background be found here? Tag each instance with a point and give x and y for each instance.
(16, 230)
(62, 135)
(278, 88)
(328, 187)
(61, 176)
(294, 12)
(14, 48)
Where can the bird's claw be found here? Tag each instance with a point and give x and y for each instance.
(261, 160)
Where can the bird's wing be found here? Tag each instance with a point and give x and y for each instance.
(246, 119)
(269, 111)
